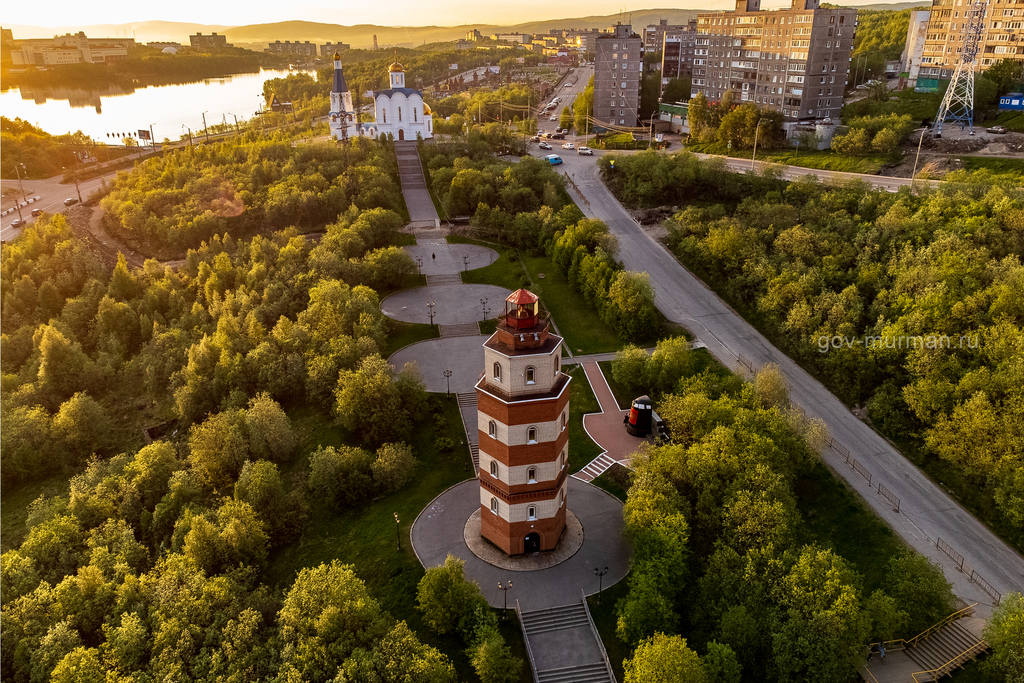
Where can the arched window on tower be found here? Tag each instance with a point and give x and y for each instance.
(531, 475)
(556, 367)
(531, 375)
(497, 372)
(383, 115)
(531, 512)
(492, 429)
(399, 114)
(494, 505)
(563, 421)
(494, 469)
(531, 435)
(415, 115)
(561, 498)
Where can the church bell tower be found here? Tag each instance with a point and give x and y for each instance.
(523, 413)
(341, 117)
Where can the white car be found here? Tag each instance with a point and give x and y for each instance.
(585, 151)
(568, 145)
(553, 118)
(567, 85)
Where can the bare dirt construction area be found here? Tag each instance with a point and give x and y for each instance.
(944, 155)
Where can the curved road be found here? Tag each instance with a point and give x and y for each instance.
(926, 512)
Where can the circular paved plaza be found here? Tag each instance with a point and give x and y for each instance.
(464, 356)
(439, 530)
(440, 258)
(453, 304)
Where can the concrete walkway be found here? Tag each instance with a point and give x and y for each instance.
(414, 186)
(439, 531)
(464, 356)
(926, 511)
(441, 258)
(453, 304)
(606, 428)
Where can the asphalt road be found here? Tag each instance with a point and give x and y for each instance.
(926, 513)
(579, 78)
(51, 193)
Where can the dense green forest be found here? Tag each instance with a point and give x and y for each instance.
(906, 303)
(174, 203)
(42, 154)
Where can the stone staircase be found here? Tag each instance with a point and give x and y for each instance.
(587, 673)
(464, 330)
(414, 187)
(447, 279)
(555, 618)
(948, 648)
(596, 468)
(410, 171)
(549, 631)
(468, 410)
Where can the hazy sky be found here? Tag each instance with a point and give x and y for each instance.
(347, 12)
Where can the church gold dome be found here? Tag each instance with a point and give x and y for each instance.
(426, 109)
(337, 56)
(396, 67)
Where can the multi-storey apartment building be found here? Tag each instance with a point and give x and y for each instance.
(306, 49)
(328, 49)
(210, 42)
(792, 60)
(1002, 38)
(654, 35)
(618, 64)
(677, 53)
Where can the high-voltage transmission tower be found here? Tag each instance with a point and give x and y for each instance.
(958, 104)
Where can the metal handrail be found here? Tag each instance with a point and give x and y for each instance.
(904, 643)
(600, 642)
(940, 671)
(870, 676)
(526, 639)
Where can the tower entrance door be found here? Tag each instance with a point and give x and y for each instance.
(532, 543)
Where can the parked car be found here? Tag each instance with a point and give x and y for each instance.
(568, 145)
(553, 159)
(553, 118)
(999, 130)
(536, 138)
(586, 151)
(37, 212)
(16, 223)
(567, 85)
(545, 145)
(70, 201)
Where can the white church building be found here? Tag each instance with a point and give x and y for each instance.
(398, 111)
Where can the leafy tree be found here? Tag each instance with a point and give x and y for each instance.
(770, 387)
(327, 614)
(566, 119)
(56, 547)
(1005, 75)
(583, 107)
(886, 141)
(446, 597)
(631, 306)
(83, 426)
(664, 659)
(393, 467)
(630, 367)
(219, 447)
(1005, 633)
(269, 429)
(368, 402)
(677, 90)
(81, 665)
(341, 476)
(259, 485)
(126, 646)
(721, 665)
(493, 660)
(398, 656)
(854, 143)
(919, 587)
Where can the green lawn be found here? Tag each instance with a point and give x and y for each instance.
(825, 160)
(835, 517)
(582, 449)
(366, 536)
(402, 334)
(502, 273)
(615, 481)
(1014, 167)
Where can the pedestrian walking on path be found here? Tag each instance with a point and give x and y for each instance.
(433, 257)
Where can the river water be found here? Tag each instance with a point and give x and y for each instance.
(166, 107)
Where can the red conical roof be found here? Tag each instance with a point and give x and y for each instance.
(522, 296)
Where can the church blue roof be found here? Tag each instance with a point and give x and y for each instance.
(391, 91)
(339, 81)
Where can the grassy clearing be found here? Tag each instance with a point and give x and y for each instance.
(835, 517)
(1014, 167)
(504, 272)
(615, 481)
(582, 448)
(366, 537)
(14, 511)
(824, 160)
(603, 613)
(402, 334)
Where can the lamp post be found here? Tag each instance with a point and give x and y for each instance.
(757, 129)
(237, 132)
(430, 311)
(916, 157)
(205, 129)
(447, 378)
(419, 265)
(465, 262)
(184, 127)
(398, 531)
(17, 169)
(77, 188)
(599, 573)
(505, 588)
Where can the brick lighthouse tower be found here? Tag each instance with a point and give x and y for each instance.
(523, 411)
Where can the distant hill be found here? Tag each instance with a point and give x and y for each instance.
(257, 36)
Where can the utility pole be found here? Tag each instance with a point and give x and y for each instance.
(17, 170)
(205, 129)
(152, 137)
